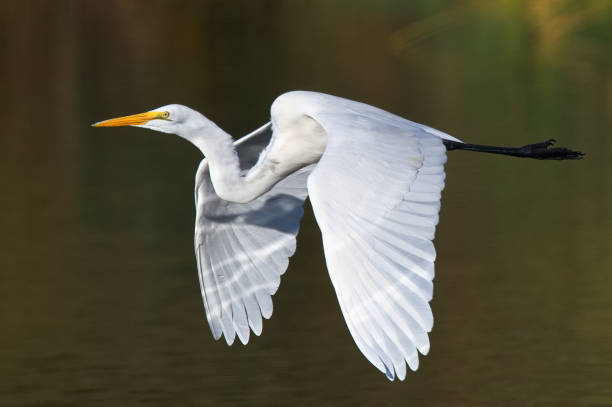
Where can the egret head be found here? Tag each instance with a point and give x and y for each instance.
(167, 119)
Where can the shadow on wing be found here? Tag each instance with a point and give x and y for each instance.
(276, 212)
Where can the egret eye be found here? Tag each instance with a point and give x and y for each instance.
(165, 115)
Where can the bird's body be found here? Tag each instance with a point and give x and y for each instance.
(374, 180)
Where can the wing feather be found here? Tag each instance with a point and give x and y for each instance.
(243, 249)
(376, 196)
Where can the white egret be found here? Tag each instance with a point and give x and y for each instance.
(374, 180)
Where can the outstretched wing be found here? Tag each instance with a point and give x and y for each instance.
(376, 196)
(243, 249)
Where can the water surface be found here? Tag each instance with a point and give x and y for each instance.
(99, 299)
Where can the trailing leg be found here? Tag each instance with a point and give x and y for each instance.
(539, 151)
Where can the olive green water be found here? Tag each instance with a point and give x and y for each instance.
(99, 299)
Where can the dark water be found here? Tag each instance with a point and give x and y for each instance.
(99, 300)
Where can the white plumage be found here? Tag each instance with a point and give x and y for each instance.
(374, 181)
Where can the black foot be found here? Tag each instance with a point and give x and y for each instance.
(542, 151)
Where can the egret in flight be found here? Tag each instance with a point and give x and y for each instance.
(374, 180)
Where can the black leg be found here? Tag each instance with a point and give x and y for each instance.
(539, 151)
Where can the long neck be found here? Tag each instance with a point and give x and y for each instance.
(224, 165)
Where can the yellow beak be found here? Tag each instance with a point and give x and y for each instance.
(133, 120)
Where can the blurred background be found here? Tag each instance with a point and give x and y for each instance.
(99, 298)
